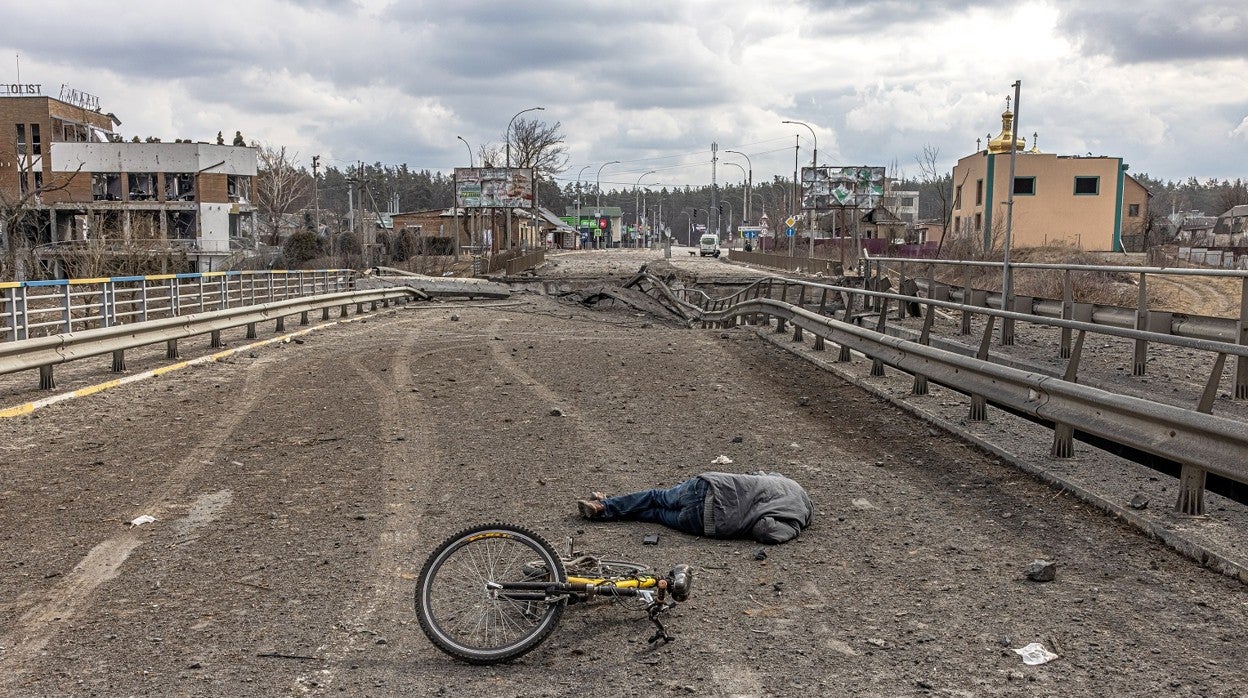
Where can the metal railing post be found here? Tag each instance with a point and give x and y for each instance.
(1241, 362)
(1141, 323)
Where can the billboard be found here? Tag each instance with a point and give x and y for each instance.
(494, 187)
(827, 188)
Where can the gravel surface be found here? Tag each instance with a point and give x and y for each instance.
(298, 487)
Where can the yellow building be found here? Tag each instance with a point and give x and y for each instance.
(1088, 202)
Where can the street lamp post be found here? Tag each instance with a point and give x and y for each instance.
(472, 236)
(511, 211)
(814, 162)
(637, 207)
(470, 163)
(598, 186)
(509, 124)
(744, 200)
(749, 185)
(579, 177)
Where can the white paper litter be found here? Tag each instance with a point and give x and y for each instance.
(144, 519)
(722, 460)
(1035, 654)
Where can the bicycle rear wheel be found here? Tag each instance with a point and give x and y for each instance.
(470, 620)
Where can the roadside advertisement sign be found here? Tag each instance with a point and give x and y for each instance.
(827, 188)
(494, 187)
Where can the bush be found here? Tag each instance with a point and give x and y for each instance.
(301, 247)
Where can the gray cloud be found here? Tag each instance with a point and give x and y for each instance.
(1152, 31)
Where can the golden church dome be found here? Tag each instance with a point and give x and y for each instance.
(1001, 144)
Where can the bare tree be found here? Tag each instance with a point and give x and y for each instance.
(537, 145)
(490, 155)
(281, 187)
(938, 185)
(20, 222)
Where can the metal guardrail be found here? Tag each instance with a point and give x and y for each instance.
(1200, 441)
(40, 308)
(44, 353)
(1141, 317)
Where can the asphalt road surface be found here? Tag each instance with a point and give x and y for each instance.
(297, 488)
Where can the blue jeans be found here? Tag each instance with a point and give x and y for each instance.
(678, 507)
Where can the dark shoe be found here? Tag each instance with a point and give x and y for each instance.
(590, 509)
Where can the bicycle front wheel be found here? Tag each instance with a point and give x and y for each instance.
(462, 610)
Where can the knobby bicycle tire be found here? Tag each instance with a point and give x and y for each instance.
(463, 618)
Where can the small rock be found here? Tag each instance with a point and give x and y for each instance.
(556, 412)
(1042, 571)
(803, 401)
(738, 439)
(454, 318)
(760, 554)
(1139, 501)
(878, 642)
(298, 341)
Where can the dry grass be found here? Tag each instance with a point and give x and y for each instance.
(1101, 288)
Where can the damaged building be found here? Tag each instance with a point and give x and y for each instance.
(72, 187)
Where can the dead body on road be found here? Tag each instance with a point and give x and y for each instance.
(768, 507)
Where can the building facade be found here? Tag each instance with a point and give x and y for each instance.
(69, 183)
(1086, 202)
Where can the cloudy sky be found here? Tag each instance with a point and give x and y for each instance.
(652, 84)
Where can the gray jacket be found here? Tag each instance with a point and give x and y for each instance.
(770, 508)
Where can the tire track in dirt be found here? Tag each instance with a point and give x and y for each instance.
(404, 469)
(48, 615)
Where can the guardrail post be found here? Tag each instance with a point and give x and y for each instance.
(925, 338)
(303, 318)
(215, 339)
(373, 306)
(1064, 434)
(171, 349)
(251, 330)
(1141, 323)
(325, 313)
(877, 364)
(979, 404)
(281, 324)
(823, 309)
(901, 288)
(119, 360)
(342, 310)
(977, 299)
(1241, 362)
(46, 379)
(1068, 309)
(1191, 491)
(359, 308)
(1191, 500)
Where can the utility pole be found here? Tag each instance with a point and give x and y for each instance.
(316, 198)
(714, 210)
(797, 144)
(1007, 285)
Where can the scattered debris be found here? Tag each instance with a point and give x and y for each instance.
(803, 401)
(1035, 654)
(722, 460)
(760, 554)
(861, 503)
(1139, 501)
(144, 519)
(1042, 571)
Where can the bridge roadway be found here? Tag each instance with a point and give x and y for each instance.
(297, 488)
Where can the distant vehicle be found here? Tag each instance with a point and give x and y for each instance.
(708, 245)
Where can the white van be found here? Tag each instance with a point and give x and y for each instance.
(708, 245)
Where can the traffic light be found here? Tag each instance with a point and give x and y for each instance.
(602, 223)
